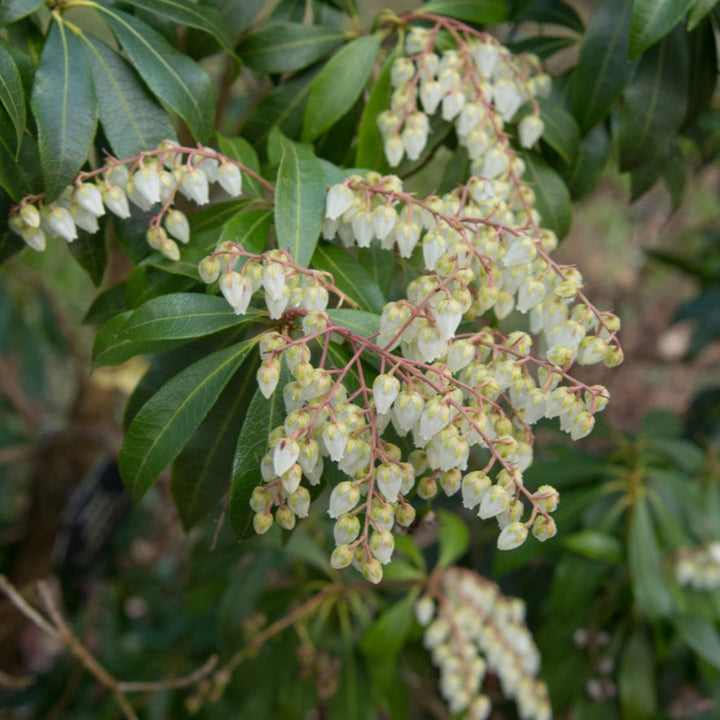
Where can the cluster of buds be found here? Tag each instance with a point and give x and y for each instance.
(285, 285)
(479, 86)
(699, 567)
(150, 180)
(471, 629)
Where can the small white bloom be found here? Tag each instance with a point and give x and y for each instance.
(512, 536)
(343, 498)
(88, 197)
(59, 222)
(339, 199)
(394, 150)
(237, 291)
(230, 178)
(194, 185)
(146, 186)
(34, 238)
(116, 201)
(177, 225)
(530, 130)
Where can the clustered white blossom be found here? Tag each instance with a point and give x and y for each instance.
(150, 180)
(471, 629)
(479, 86)
(698, 568)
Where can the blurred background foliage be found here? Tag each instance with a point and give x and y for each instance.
(622, 634)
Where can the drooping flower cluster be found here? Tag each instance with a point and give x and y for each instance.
(698, 567)
(150, 180)
(471, 629)
(479, 86)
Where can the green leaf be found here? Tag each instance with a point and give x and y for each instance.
(20, 174)
(649, 587)
(201, 472)
(349, 276)
(106, 305)
(384, 639)
(595, 545)
(12, 95)
(12, 10)
(168, 420)
(652, 20)
(241, 150)
(603, 67)
(702, 637)
(280, 47)
(591, 158)
(703, 59)
(181, 316)
(551, 194)
(636, 678)
(339, 84)
(263, 415)
(176, 79)
(698, 12)
(237, 15)
(250, 229)
(206, 221)
(130, 118)
(90, 252)
(675, 175)
(63, 102)
(454, 539)
(543, 46)
(299, 201)
(282, 108)
(358, 321)
(561, 131)
(374, 260)
(370, 152)
(482, 12)
(111, 347)
(654, 103)
(551, 12)
(188, 13)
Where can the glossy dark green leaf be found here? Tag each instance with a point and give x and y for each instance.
(287, 46)
(551, 12)
(237, 15)
(349, 276)
(552, 198)
(370, 152)
(146, 282)
(482, 12)
(65, 109)
(90, 252)
(299, 201)
(330, 98)
(358, 321)
(702, 636)
(652, 20)
(544, 46)
(12, 10)
(454, 538)
(241, 150)
(201, 473)
(263, 415)
(644, 177)
(189, 13)
(384, 639)
(698, 12)
(112, 347)
(250, 229)
(636, 678)
(561, 131)
(703, 59)
(283, 108)
(12, 96)
(705, 310)
(106, 305)
(130, 118)
(10, 244)
(603, 67)
(595, 545)
(20, 174)
(181, 316)
(176, 79)
(169, 418)
(645, 561)
(655, 101)
(212, 218)
(374, 260)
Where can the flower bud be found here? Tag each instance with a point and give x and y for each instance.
(346, 529)
(262, 522)
(285, 517)
(512, 536)
(405, 514)
(89, 198)
(260, 499)
(530, 129)
(299, 502)
(285, 455)
(341, 557)
(268, 376)
(194, 185)
(116, 201)
(372, 571)
(177, 225)
(382, 544)
(209, 269)
(60, 222)
(230, 179)
(343, 498)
